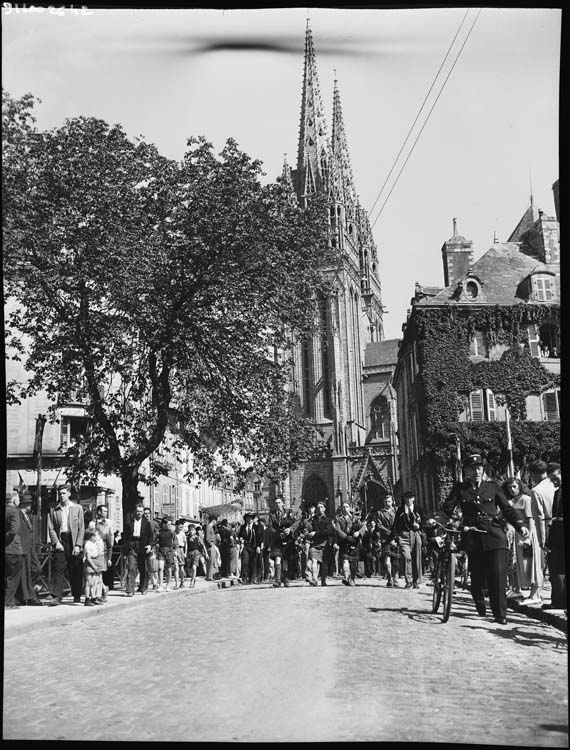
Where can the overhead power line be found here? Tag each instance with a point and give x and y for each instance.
(419, 113)
(428, 115)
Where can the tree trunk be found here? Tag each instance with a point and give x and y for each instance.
(130, 482)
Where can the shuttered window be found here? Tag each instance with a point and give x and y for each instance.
(482, 405)
(542, 289)
(476, 404)
(551, 405)
(534, 340)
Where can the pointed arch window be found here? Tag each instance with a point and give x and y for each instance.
(379, 419)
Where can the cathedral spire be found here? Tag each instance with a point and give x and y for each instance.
(342, 183)
(312, 155)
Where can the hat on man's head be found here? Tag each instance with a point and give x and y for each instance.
(474, 459)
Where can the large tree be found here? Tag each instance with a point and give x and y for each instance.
(165, 293)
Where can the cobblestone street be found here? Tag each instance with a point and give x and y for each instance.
(300, 664)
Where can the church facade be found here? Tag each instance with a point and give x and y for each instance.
(355, 455)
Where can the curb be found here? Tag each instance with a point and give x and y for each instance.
(27, 619)
(555, 617)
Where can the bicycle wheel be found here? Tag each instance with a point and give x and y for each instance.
(437, 578)
(448, 586)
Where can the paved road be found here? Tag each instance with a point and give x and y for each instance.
(300, 664)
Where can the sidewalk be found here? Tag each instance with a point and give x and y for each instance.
(26, 619)
(558, 618)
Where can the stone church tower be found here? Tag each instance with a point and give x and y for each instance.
(328, 375)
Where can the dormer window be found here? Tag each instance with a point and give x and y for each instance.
(471, 289)
(542, 288)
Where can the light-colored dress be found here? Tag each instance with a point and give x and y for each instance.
(529, 568)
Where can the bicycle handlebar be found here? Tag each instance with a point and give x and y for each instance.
(459, 531)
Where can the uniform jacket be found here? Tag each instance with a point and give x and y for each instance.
(75, 522)
(485, 508)
(146, 537)
(12, 541)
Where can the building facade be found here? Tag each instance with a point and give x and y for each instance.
(479, 364)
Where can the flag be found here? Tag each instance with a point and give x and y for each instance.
(458, 467)
(22, 486)
(511, 467)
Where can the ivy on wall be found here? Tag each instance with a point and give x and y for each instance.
(447, 376)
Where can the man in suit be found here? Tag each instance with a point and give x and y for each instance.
(137, 544)
(251, 548)
(13, 552)
(484, 506)
(66, 527)
(26, 592)
(556, 543)
(407, 531)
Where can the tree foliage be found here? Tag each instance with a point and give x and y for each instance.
(165, 293)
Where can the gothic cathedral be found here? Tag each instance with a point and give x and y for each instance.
(330, 366)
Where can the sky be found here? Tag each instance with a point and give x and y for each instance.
(486, 139)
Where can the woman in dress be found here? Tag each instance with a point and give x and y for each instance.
(528, 559)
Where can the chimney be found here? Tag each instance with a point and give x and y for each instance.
(457, 255)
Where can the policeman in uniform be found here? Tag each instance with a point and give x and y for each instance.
(485, 507)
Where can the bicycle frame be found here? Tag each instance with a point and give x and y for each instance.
(444, 574)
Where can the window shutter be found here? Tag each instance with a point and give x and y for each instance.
(63, 432)
(550, 402)
(547, 290)
(491, 411)
(476, 406)
(533, 340)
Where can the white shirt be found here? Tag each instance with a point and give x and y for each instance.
(137, 526)
(64, 518)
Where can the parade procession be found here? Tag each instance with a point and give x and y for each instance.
(269, 390)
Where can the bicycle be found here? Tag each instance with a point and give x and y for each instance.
(444, 573)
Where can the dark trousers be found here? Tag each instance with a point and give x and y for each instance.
(65, 561)
(12, 576)
(489, 570)
(248, 572)
(411, 552)
(136, 561)
(558, 593)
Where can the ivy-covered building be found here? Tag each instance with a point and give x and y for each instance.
(479, 361)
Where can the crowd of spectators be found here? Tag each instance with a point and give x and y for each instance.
(162, 554)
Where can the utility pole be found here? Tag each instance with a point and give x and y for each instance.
(40, 424)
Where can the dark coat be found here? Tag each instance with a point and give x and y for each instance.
(12, 541)
(146, 537)
(485, 508)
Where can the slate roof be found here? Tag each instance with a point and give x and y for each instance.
(500, 270)
(527, 222)
(380, 353)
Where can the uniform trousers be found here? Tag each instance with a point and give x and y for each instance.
(489, 570)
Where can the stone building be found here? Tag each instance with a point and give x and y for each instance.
(479, 364)
(350, 451)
